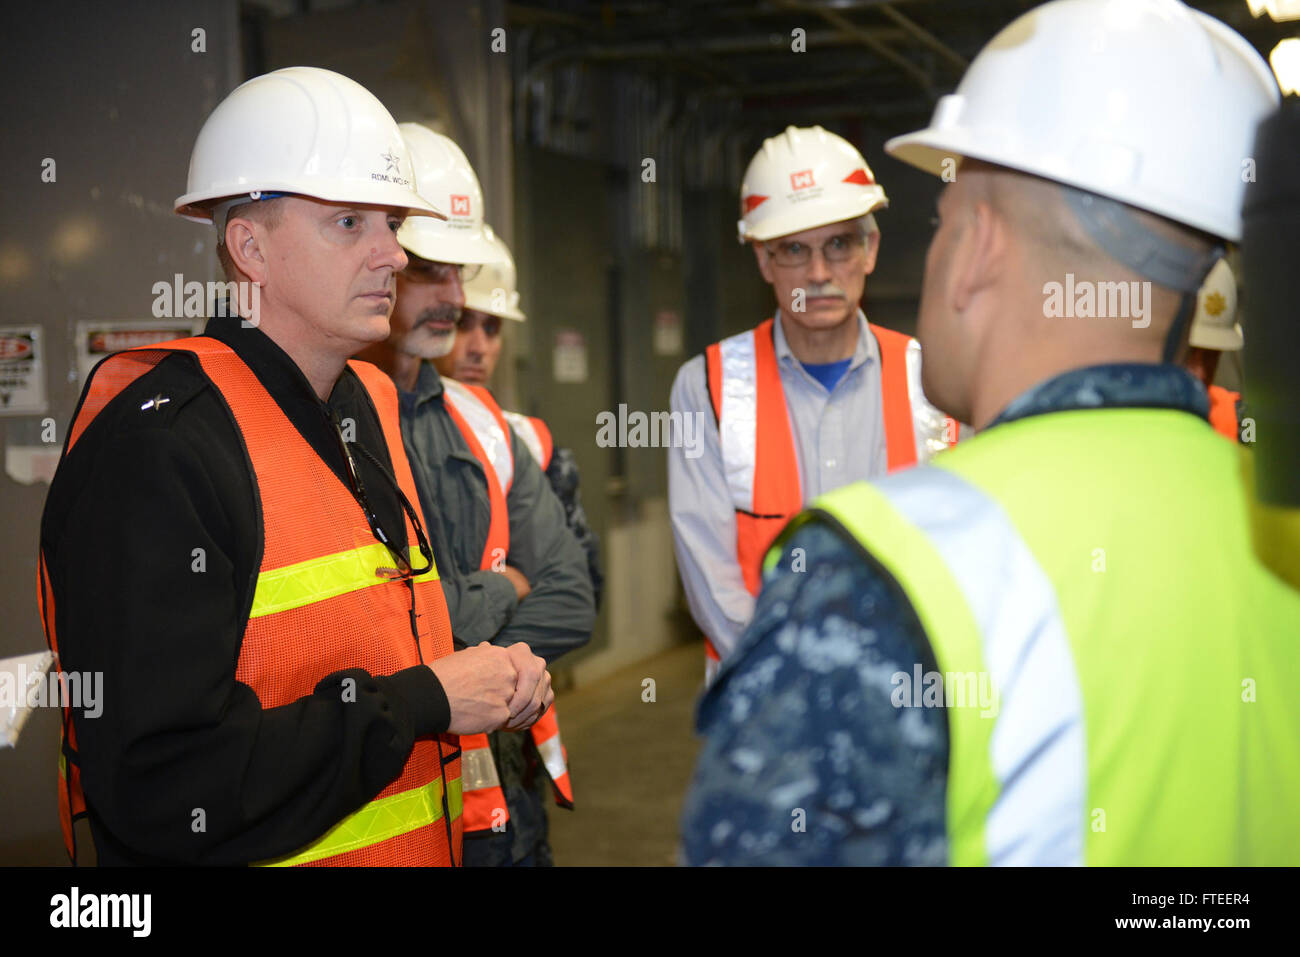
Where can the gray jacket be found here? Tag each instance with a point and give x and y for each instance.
(558, 614)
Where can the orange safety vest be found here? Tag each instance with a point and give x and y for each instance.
(535, 434)
(316, 580)
(1223, 411)
(485, 430)
(758, 445)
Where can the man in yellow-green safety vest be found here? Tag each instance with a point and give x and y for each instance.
(1052, 644)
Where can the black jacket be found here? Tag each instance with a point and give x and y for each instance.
(184, 765)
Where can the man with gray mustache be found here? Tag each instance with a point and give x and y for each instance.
(811, 400)
(526, 583)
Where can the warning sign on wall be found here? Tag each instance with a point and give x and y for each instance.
(569, 360)
(98, 339)
(668, 333)
(22, 370)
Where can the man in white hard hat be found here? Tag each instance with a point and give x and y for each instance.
(491, 299)
(1045, 646)
(513, 571)
(812, 399)
(1215, 330)
(233, 538)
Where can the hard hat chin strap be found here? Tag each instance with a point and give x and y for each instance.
(1186, 309)
(221, 215)
(1115, 229)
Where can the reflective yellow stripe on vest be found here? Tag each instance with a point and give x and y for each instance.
(317, 579)
(378, 821)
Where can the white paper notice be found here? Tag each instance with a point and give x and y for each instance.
(569, 361)
(29, 464)
(668, 333)
(21, 679)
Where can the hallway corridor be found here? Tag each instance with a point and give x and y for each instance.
(630, 761)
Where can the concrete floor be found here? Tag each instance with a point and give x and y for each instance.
(630, 761)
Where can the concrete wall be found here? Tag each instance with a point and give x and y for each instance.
(566, 281)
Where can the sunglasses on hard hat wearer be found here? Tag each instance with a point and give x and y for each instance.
(837, 249)
(403, 569)
(427, 271)
(468, 320)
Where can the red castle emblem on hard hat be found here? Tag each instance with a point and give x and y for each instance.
(802, 179)
(459, 205)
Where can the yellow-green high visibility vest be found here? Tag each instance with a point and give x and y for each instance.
(1094, 568)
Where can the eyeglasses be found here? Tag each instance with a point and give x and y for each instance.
(403, 569)
(469, 320)
(426, 271)
(837, 249)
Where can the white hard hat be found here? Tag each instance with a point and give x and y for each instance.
(1147, 102)
(305, 131)
(445, 179)
(493, 289)
(802, 179)
(1215, 325)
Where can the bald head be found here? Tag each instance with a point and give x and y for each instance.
(1021, 292)
(1057, 244)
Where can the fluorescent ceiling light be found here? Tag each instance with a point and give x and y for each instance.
(1285, 60)
(1277, 9)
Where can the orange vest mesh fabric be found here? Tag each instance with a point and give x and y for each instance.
(498, 537)
(482, 803)
(1223, 411)
(72, 804)
(778, 494)
(546, 729)
(485, 806)
(308, 513)
(900, 440)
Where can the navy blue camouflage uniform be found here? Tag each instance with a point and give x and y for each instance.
(806, 759)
